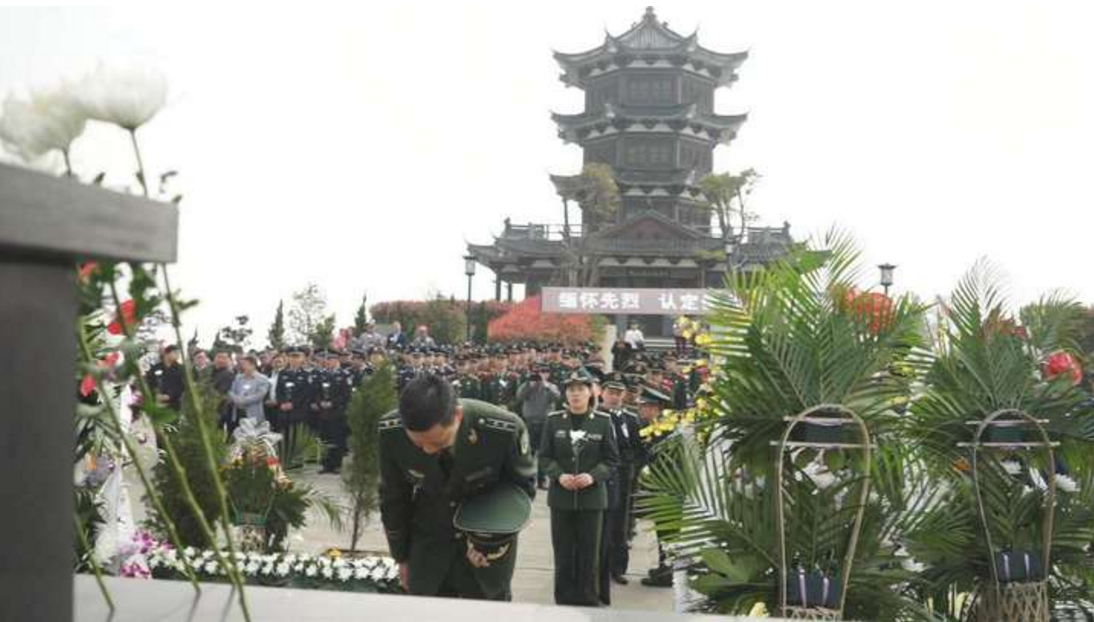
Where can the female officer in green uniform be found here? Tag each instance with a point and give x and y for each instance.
(579, 453)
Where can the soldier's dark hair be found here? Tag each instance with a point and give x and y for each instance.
(426, 401)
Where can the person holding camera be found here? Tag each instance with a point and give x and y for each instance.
(537, 397)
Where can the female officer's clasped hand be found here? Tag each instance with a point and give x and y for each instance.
(575, 482)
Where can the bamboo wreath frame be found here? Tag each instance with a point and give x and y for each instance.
(846, 417)
(1019, 418)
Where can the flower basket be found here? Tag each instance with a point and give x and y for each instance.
(250, 531)
(820, 432)
(1020, 566)
(1011, 602)
(999, 432)
(250, 519)
(812, 590)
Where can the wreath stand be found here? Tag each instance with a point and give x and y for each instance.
(835, 415)
(1019, 601)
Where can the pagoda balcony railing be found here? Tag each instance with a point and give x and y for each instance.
(539, 231)
(543, 231)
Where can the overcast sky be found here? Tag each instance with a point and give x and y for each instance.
(360, 148)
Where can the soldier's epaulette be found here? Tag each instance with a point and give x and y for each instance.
(390, 424)
(500, 425)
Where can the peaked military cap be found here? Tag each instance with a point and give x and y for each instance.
(615, 380)
(493, 519)
(579, 376)
(651, 395)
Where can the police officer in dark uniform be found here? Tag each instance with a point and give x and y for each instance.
(580, 453)
(294, 397)
(435, 452)
(333, 391)
(650, 404)
(627, 430)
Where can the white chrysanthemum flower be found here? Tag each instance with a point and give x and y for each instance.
(289, 559)
(310, 571)
(911, 565)
(49, 120)
(327, 572)
(345, 574)
(283, 569)
(210, 567)
(126, 96)
(188, 551)
(251, 567)
(361, 573)
(298, 567)
(1066, 483)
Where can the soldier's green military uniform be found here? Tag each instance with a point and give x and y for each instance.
(577, 516)
(419, 495)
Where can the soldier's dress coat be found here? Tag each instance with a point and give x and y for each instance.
(577, 516)
(417, 500)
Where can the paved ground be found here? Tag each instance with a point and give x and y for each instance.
(534, 579)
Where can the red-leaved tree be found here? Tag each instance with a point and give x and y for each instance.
(525, 322)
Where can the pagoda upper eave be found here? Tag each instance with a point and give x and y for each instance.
(578, 69)
(684, 118)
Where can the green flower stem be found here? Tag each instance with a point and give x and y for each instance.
(179, 471)
(188, 378)
(94, 563)
(232, 568)
(172, 531)
(140, 162)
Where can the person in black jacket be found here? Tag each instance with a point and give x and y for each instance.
(221, 379)
(165, 379)
(294, 396)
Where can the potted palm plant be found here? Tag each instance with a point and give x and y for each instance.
(1010, 444)
(789, 338)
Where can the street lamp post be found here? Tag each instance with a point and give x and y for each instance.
(886, 276)
(731, 252)
(469, 270)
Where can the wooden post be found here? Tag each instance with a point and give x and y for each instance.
(47, 224)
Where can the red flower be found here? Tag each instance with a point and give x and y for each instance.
(128, 313)
(1061, 362)
(87, 385)
(85, 270)
(871, 307)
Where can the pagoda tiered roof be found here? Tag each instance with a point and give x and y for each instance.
(611, 118)
(649, 42)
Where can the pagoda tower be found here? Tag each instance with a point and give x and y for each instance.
(649, 115)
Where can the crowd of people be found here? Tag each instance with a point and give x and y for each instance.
(545, 384)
